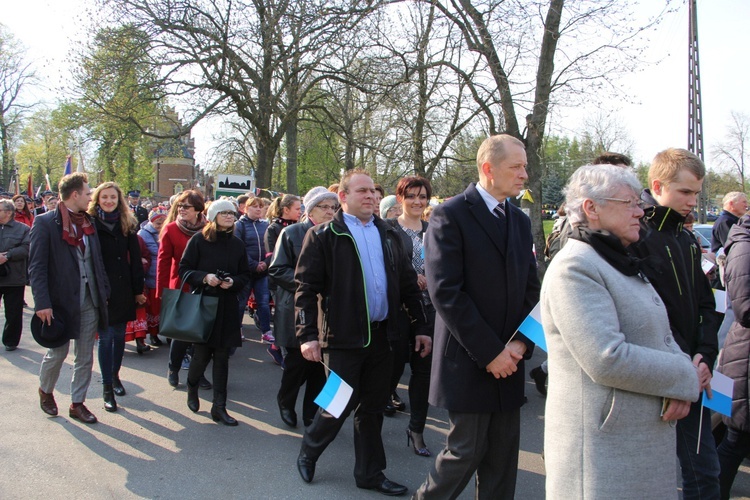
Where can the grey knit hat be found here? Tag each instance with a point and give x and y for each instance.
(219, 206)
(316, 195)
(386, 204)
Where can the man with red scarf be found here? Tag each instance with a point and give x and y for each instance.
(70, 290)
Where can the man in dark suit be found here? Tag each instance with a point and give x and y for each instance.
(482, 277)
(70, 287)
(134, 202)
(734, 206)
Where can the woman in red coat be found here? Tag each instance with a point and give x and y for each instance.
(23, 214)
(184, 220)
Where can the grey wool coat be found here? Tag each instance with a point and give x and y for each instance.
(612, 359)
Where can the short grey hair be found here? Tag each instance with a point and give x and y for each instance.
(732, 196)
(494, 149)
(6, 204)
(596, 182)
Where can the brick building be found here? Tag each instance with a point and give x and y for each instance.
(174, 164)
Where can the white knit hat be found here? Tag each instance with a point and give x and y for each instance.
(316, 195)
(386, 204)
(220, 206)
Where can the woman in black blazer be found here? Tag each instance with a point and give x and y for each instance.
(121, 253)
(413, 194)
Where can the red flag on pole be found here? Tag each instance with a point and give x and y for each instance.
(30, 185)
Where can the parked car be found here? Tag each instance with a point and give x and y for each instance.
(703, 233)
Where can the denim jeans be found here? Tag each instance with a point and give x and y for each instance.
(260, 287)
(111, 350)
(700, 471)
(732, 451)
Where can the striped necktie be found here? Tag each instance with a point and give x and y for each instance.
(500, 209)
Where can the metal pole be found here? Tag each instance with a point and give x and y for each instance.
(695, 114)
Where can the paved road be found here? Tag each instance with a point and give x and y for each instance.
(154, 447)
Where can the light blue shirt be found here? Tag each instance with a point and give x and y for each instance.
(367, 239)
(489, 200)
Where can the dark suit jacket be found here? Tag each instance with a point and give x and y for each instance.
(482, 291)
(721, 228)
(54, 275)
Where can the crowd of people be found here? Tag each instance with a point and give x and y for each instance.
(362, 284)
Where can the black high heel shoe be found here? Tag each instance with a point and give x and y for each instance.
(422, 452)
(141, 347)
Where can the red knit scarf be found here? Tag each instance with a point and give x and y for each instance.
(82, 223)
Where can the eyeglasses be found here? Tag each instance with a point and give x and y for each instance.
(326, 207)
(632, 203)
(226, 212)
(182, 206)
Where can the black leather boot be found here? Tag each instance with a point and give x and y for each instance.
(193, 401)
(219, 414)
(108, 394)
(117, 385)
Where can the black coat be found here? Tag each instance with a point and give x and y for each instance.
(54, 273)
(673, 265)
(140, 213)
(122, 261)
(720, 230)
(404, 324)
(734, 360)
(329, 271)
(482, 291)
(204, 257)
(281, 272)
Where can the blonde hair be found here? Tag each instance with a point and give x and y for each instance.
(667, 165)
(128, 222)
(210, 229)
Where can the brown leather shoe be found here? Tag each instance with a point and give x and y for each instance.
(82, 413)
(47, 403)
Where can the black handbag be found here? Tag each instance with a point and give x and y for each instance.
(189, 317)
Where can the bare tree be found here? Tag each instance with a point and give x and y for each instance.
(257, 59)
(535, 51)
(734, 151)
(607, 133)
(15, 75)
(434, 104)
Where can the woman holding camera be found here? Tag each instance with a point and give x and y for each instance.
(215, 260)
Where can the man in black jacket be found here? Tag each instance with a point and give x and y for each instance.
(355, 270)
(674, 269)
(735, 206)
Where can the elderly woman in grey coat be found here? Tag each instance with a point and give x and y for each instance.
(617, 378)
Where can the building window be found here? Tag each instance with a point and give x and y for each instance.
(178, 188)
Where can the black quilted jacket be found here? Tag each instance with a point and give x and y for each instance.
(735, 357)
